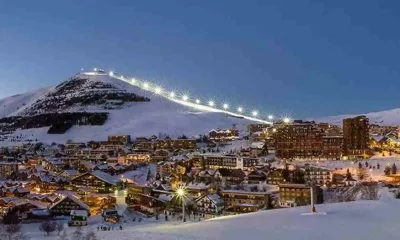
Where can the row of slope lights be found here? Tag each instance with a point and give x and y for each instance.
(160, 91)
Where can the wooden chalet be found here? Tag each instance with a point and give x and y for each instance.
(66, 204)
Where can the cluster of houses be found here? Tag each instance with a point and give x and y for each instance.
(42, 181)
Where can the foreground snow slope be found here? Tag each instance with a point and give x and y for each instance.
(387, 117)
(351, 220)
(160, 115)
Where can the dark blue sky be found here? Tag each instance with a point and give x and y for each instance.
(306, 58)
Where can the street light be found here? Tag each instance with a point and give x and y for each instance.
(158, 90)
(286, 120)
(198, 101)
(270, 117)
(240, 109)
(181, 193)
(225, 106)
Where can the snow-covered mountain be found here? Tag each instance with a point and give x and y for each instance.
(387, 117)
(130, 109)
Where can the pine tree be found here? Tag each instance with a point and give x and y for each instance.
(387, 170)
(394, 169)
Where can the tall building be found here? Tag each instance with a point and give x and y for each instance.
(356, 136)
(299, 140)
(307, 140)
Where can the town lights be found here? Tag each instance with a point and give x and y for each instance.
(185, 98)
(240, 109)
(270, 117)
(254, 113)
(286, 120)
(111, 73)
(133, 80)
(225, 106)
(274, 130)
(158, 90)
(211, 103)
(198, 101)
(146, 85)
(172, 94)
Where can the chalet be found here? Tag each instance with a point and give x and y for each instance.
(66, 204)
(123, 139)
(8, 168)
(69, 174)
(138, 156)
(317, 175)
(292, 195)
(224, 135)
(277, 176)
(239, 201)
(197, 190)
(349, 180)
(185, 144)
(255, 177)
(233, 176)
(100, 181)
(210, 204)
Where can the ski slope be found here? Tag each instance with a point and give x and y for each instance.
(13, 105)
(161, 116)
(387, 117)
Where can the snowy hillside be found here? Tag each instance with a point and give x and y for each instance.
(387, 117)
(15, 104)
(350, 220)
(131, 111)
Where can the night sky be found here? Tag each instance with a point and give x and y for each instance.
(299, 57)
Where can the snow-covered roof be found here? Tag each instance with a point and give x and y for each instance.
(71, 172)
(106, 177)
(82, 213)
(74, 199)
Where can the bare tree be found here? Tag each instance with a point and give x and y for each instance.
(13, 228)
(90, 235)
(47, 227)
(361, 173)
(64, 235)
(59, 227)
(11, 232)
(77, 234)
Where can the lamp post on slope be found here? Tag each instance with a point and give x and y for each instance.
(180, 192)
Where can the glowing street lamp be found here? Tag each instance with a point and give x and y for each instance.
(158, 90)
(181, 193)
(240, 109)
(225, 106)
(254, 113)
(185, 98)
(146, 85)
(133, 80)
(172, 94)
(286, 120)
(111, 73)
(211, 103)
(274, 130)
(198, 101)
(270, 117)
